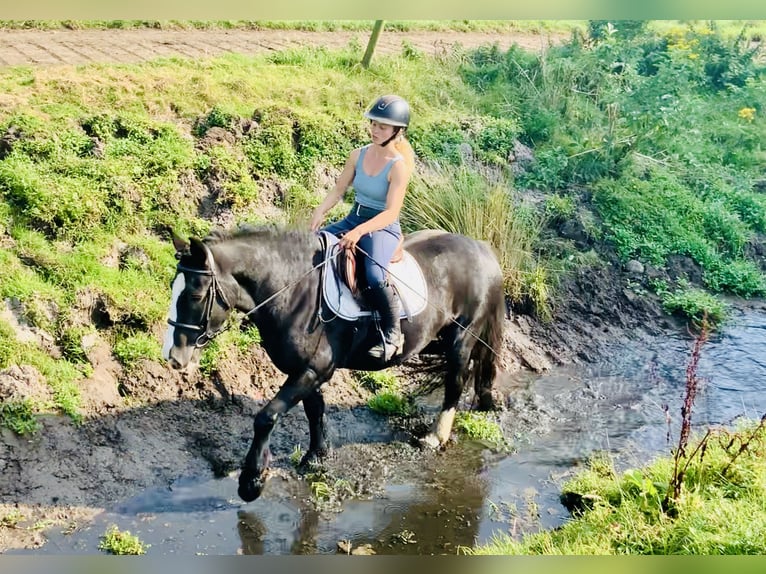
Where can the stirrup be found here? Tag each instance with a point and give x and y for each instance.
(386, 350)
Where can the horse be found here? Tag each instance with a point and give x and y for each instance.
(273, 276)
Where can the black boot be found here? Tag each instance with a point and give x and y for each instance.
(385, 302)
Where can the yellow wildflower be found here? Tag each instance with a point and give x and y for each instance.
(747, 114)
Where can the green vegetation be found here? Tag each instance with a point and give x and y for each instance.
(479, 426)
(19, 416)
(463, 200)
(390, 404)
(719, 510)
(696, 304)
(135, 347)
(389, 399)
(115, 541)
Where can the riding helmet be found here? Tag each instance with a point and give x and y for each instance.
(392, 110)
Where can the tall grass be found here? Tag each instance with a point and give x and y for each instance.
(484, 206)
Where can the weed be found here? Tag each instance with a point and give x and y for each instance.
(12, 519)
(696, 304)
(134, 347)
(390, 404)
(115, 541)
(19, 416)
(376, 381)
(296, 456)
(479, 426)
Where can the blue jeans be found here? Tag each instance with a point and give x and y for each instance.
(379, 244)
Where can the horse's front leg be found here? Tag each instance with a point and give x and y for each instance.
(295, 389)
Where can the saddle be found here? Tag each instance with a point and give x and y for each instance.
(347, 267)
(342, 280)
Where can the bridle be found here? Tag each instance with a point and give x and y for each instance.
(214, 292)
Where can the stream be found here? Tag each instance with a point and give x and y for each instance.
(469, 493)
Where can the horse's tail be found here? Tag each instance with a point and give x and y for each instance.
(485, 354)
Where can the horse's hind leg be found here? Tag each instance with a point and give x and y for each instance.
(457, 358)
(313, 405)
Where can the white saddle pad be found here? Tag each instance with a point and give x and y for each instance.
(405, 275)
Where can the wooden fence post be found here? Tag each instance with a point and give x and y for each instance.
(371, 43)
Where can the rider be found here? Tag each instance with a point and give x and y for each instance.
(379, 173)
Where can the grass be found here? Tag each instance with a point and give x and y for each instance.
(388, 398)
(390, 404)
(720, 510)
(479, 426)
(19, 416)
(495, 26)
(115, 541)
(694, 304)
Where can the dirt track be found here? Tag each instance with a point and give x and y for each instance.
(72, 47)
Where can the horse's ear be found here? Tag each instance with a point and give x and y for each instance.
(198, 253)
(181, 245)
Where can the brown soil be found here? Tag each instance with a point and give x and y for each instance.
(146, 427)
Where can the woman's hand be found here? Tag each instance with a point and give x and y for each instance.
(350, 239)
(316, 220)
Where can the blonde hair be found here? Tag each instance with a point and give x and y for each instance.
(405, 149)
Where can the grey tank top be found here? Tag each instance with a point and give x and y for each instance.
(371, 191)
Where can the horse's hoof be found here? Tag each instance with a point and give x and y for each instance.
(431, 441)
(312, 460)
(249, 488)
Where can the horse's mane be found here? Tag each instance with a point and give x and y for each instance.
(296, 238)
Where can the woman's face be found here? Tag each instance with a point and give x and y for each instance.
(380, 133)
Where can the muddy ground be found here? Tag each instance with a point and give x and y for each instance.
(150, 426)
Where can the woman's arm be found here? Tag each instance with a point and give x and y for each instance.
(337, 192)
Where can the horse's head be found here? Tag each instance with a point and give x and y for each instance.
(198, 307)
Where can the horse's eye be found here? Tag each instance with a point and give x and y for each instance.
(197, 295)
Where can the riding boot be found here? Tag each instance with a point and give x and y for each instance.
(384, 301)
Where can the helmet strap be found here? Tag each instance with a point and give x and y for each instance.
(397, 131)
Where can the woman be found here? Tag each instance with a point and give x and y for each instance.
(379, 173)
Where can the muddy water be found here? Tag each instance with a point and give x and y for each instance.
(466, 494)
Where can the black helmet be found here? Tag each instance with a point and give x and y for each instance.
(391, 110)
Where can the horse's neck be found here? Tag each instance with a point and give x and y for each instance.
(263, 265)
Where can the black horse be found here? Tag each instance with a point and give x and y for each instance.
(274, 276)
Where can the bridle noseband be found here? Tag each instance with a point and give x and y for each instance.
(213, 291)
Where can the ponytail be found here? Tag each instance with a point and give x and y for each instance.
(405, 149)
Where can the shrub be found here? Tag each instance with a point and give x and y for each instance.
(19, 416)
(695, 304)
